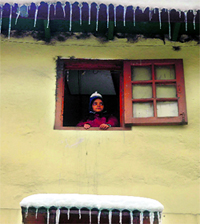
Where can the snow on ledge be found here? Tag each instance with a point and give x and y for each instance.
(92, 201)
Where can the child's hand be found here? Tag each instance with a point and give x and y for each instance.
(104, 126)
(86, 126)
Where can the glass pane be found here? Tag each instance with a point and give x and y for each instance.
(165, 91)
(141, 73)
(167, 109)
(165, 72)
(143, 109)
(142, 91)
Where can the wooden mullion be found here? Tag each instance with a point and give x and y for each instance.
(143, 100)
(154, 90)
(167, 99)
(143, 82)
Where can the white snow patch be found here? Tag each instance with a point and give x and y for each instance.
(92, 201)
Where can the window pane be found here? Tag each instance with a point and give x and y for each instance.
(141, 73)
(142, 91)
(165, 91)
(167, 109)
(143, 109)
(165, 72)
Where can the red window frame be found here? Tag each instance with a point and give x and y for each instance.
(126, 108)
(180, 93)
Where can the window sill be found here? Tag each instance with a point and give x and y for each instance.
(93, 128)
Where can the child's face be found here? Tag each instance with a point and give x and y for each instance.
(97, 105)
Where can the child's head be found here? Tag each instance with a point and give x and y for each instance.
(96, 102)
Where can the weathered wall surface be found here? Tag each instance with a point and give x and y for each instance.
(159, 162)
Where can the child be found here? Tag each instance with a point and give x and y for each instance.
(98, 117)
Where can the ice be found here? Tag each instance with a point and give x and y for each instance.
(99, 216)
(160, 21)
(141, 217)
(124, 18)
(90, 216)
(120, 217)
(89, 13)
(194, 13)
(159, 218)
(36, 213)
(49, 5)
(115, 16)
(97, 19)
(134, 16)
(63, 7)
(80, 10)
(107, 10)
(54, 6)
(131, 217)
(18, 13)
(10, 20)
(169, 23)
(79, 212)
(110, 216)
(1, 13)
(151, 217)
(36, 13)
(68, 213)
(57, 216)
(150, 14)
(48, 215)
(70, 19)
(185, 20)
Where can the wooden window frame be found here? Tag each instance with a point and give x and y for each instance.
(180, 90)
(126, 110)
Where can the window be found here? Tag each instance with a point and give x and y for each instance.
(139, 92)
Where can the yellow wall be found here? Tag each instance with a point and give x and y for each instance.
(159, 162)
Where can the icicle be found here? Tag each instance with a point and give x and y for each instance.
(48, 215)
(180, 13)
(124, 16)
(49, 5)
(131, 217)
(99, 216)
(10, 20)
(120, 217)
(134, 16)
(63, 7)
(160, 21)
(159, 218)
(68, 213)
(150, 14)
(80, 10)
(141, 217)
(57, 215)
(169, 24)
(115, 16)
(36, 213)
(185, 20)
(151, 217)
(194, 23)
(18, 13)
(1, 14)
(107, 9)
(26, 214)
(79, 212)
(54, 6)
(89, 13)
(90, 216)
(97, 19)
(70, 20)
(110, 217)
(36, 13)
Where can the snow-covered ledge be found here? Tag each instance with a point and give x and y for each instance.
(101, 202)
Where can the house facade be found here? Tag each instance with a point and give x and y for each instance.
(154, 161)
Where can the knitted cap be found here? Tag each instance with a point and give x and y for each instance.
(93, 97)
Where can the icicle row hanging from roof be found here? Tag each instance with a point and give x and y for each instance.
(22, 4)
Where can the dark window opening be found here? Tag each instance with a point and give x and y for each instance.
(80, 84)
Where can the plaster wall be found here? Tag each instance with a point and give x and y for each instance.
(159, 162)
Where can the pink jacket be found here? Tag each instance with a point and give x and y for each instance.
(100, 120)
